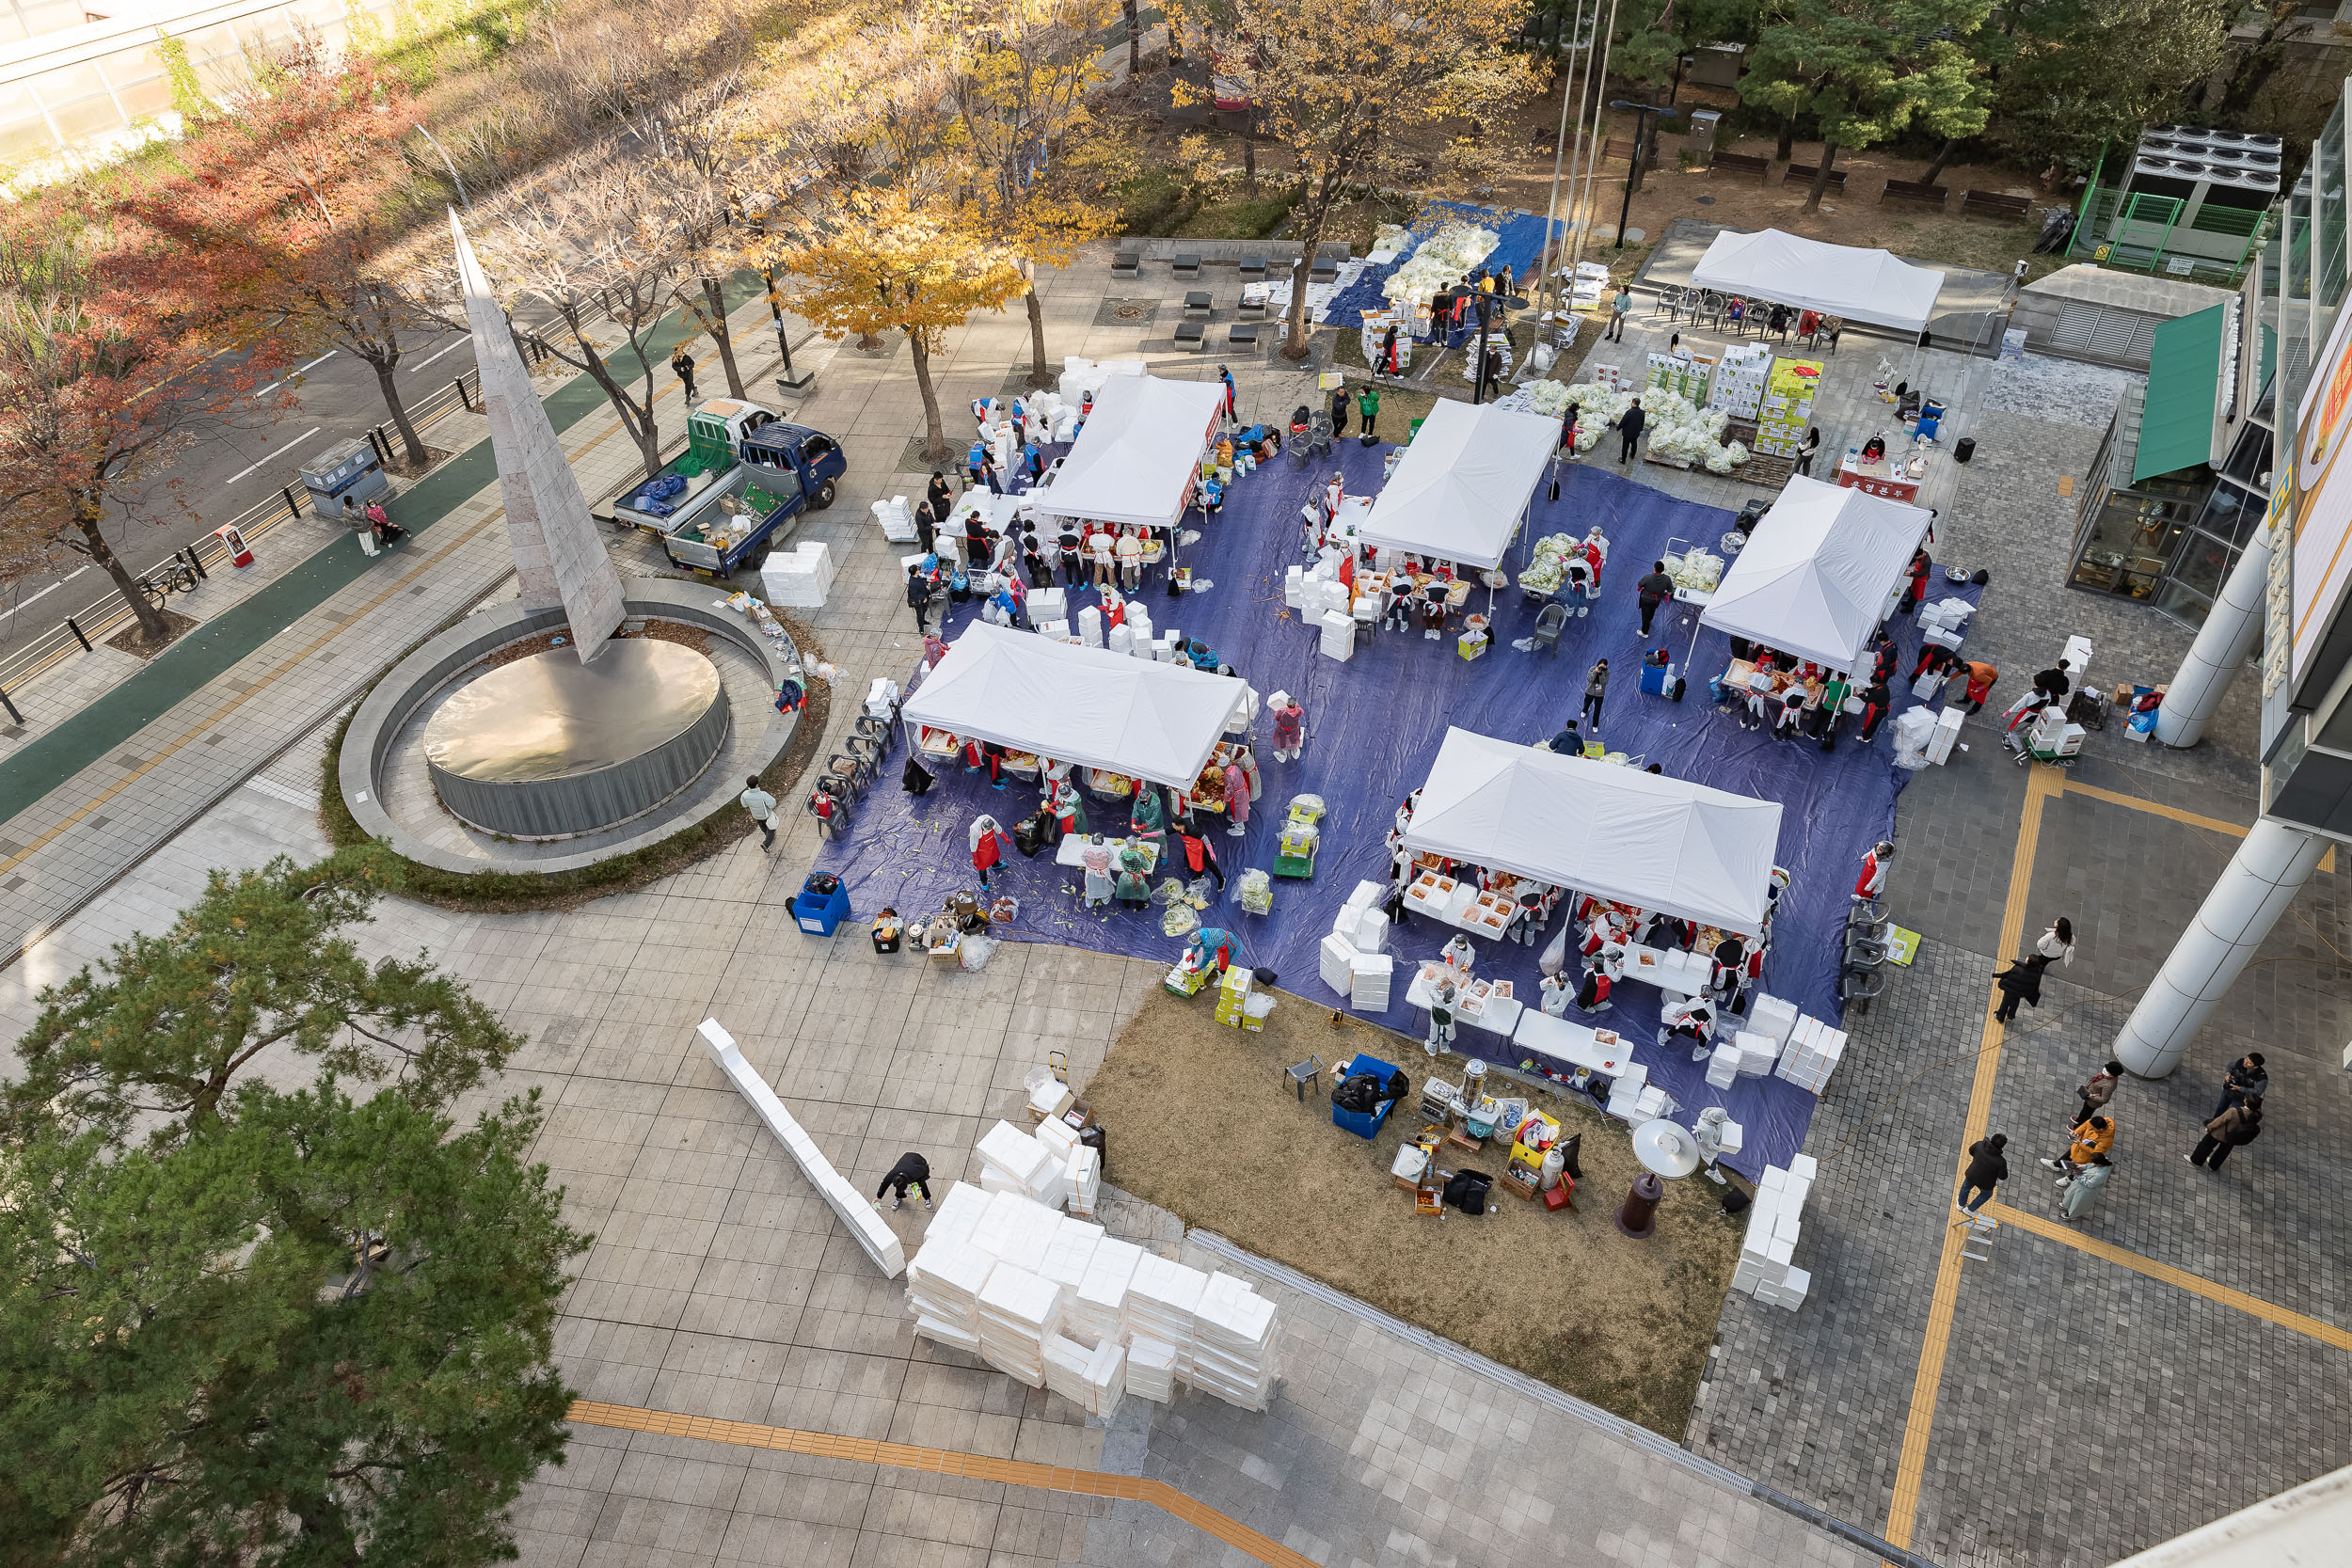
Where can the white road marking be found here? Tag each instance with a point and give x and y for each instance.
(279, 452)
(296, 371)
(451, 349)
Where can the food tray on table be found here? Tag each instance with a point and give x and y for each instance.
(938, 743)
(1110, 785)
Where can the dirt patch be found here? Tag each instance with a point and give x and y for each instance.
(434, 457)
(133, 638)
(1202, 1124)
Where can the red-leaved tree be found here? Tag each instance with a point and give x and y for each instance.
(280, 202)
(101, 384)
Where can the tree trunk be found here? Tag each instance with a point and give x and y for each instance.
(935, 449)
(1038, 375)
(716, 310)
(1942, 156)
(1821, 178)
(1134, 39)
(639, 424)
(1294, 324)
(411, 441)
(1250, 149)
(1786, 148)
(88, 519)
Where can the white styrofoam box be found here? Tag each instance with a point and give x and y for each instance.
(1337, 961)
(1016, 1154)
(1941, 738)
(1152, 1368)
(1775, 1179)
(1015, 1297)
(882, 698)
(1780, 1251)
(1650, 1103)
(958, 1210)
(1294, 586)
(1747, 1276)
(1793, 1287)
(1343, 923)
(1805, 1166)
(1768, 1015)
(1105, 1378)
(947, 1333)
(1058, 1136)
(1101, 1303)
(1372, 931)
(1365, 893)
(1757, 1053)
(1371, 985)
(1723, 1066)
(1735, 1137)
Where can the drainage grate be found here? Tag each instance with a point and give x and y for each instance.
(1127, 312)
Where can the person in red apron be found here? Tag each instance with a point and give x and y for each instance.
(1873, 879)
(988, 845)
(1193, 851)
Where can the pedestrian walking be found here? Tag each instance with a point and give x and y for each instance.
(1619, 309)
(2234, 1128)
(1595, 688)
(1807, 450)
(1987, 1169)
(761, 807)
(2246, 1080)
(1232, 404)
(912, 1173)
(2092, 1141)
(1368, 410)
(1653, 588)
(2096, 1091)
(1631, 428)
(2057, 942)
(2020, 982)
(918, 597)
(683, 363)
(1567, 434)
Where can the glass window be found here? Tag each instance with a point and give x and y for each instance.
(2249, 457)
(2202, 563)
(2232, 513)
(2183, 604)
(2131, 538)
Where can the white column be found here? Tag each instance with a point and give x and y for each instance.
(2222, 643)
(2253, 891)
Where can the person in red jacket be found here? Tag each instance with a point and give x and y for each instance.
(1916, 593)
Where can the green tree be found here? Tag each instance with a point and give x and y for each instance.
(2087, 72)
(153, 1038)
(317, 1332)
(1866, 71)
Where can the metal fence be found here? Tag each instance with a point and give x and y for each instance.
(79, 634)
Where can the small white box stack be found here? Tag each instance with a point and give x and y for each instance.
(1336, 961)
(1013, 1161)
(1723, 1066)
(1770, 1016)
(1018, 1311)
(943, 1284)
(1233, 1352)
(1372, 931)
(1091, 627)
(1140, 625)
(1946, 733)
(897, 522)
(1099, 1311)
(1339, 634)
(1765, 1269)
(1757, 1052)
(1813, 1052)
(1163, 1301)
(1066, 1367)
(1295, 587)
(1371, 979)
(1151, 1368)
(797, 579)
(1082, 1174)
(1067, 1254)
(1047, 604)
(1121, 640)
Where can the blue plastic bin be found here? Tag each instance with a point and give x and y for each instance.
(1364, 1124)
(819, 910)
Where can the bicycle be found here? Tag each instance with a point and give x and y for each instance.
(160, 584)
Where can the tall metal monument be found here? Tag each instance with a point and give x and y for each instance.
(559, 560)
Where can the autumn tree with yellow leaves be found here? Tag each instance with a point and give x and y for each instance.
(1349, 89)
(1038, 163)
(901, 258)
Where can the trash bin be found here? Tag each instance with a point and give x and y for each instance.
(1966, 450)
(348, 468)
(821, 904)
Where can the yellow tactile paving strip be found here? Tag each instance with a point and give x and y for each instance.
(946, 1461)
(2211, 824)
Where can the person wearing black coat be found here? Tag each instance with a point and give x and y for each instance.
(912, 1171)
(1987, 1169)
(2020, 982)
(942, 495)
(1630, 427)
(925, 528)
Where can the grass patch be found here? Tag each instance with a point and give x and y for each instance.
(1238, 217)
(1205, 1128)
(494, 891)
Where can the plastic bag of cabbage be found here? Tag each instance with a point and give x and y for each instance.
(1676, 428)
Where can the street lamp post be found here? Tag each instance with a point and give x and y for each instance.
(1633, 165)
(755, 211)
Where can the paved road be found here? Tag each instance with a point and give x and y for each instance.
(228, 471)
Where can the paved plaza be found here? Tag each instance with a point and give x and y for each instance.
(2091, 1389)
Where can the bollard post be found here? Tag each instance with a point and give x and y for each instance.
(294, 507)
(9, 703)
(196, 564)
(460, 385)
(74, 627)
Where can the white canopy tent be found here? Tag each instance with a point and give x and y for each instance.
(1083, 706)
(1139, 454)
(1818, 574)
(1643, 839)
(1462, 487)
(1842, 279)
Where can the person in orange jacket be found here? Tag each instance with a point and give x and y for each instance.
(2092, 1140)
(1980, 678)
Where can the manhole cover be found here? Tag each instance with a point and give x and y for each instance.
(1130, 312)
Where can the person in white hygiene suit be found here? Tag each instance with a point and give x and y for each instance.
(1440, 1018)
(1458, 954)
(1709, 1133)
(1690, 1018)
(1557, 993)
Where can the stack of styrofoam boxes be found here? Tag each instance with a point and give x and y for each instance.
(1723, 1067)
(1812, 1054)
(1151, 1368)
(797, 579)
(1352, 961)
(1945, 621)
(1765, 1269)
(1339, 634)
(1091, 627)
(1336, 962)
(1234, 1348)
(1162, 1304)
(1139, 627)
(1073, 1162)
(1099, 1310)
(943, 1284)
(1012, 1161)
(1771, 1017)
(1018, 1310)
(1946, 731)
(1069, 1248)
(1758, 1053)
(882, 698)
(1091, 1379)
(898, 523)
(1369, 984)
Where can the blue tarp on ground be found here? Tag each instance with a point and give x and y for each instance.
(1373, 726)
(1519, 240)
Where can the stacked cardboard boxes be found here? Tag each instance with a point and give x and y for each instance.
(1813, 1052)
(1787, 411)
(1737, 387)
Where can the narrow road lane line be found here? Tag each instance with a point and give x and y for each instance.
(296, 371)
(273, 456)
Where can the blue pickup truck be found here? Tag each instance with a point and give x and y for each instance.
(743, 480)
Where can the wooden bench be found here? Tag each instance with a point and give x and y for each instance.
(1622, 152)
(1804, 172)
(1741, 164)
(1911, 190)
(1993, 204)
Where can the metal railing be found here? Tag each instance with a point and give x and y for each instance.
(80, 633)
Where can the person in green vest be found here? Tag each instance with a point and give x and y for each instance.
(1834, 691)
(1368, 408)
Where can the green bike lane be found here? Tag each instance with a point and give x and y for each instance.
(210, 651)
